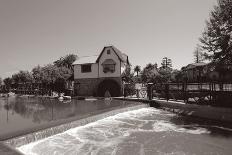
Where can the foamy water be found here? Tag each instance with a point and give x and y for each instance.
(143, 131)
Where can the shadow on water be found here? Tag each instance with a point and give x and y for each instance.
(217, 129)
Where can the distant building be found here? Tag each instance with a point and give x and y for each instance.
(95, 75)
(195, 72)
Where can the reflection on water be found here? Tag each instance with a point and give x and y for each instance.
(19, 113)
(145, 131)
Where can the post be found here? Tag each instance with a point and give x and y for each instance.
(150, 91)
(183, 91)
(167, 91)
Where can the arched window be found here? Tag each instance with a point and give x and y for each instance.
(108, 66)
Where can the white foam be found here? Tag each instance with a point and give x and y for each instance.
(161, 126)
(106, 134)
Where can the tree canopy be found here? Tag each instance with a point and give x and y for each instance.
(22, 77)
(198, 55)
(66, 61)
(216, 40)
(149, 73)
(137, 69)
(127, 75)
(7, 82)
(53, 75)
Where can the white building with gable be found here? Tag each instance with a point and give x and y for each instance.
(95, 75)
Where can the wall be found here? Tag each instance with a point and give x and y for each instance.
(79, 75)
(113, 56)
(218, 114)
(86, 86)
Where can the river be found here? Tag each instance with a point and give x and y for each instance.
(146, 131)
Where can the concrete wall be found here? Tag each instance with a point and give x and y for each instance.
(201, 111)
(79, 75)
(218, 114)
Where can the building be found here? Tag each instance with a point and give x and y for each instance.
(95, 75)
(195, 72)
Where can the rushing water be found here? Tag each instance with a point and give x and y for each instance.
(145, 131)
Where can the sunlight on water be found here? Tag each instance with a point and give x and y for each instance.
(143, 131)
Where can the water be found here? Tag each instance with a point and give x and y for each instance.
(146, 131)
(20, 114)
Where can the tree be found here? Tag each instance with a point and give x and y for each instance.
(37, 73)
(66, 61)
(198, 55)
(0, 81)
(166, 63)
(52, 76)
(7, 82)
(149, 73)
(127, 75)
(22, 77)
(137, 69)
(55, 76)
(216, 40)
(164, 75)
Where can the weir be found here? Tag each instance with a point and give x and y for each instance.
(28, 138)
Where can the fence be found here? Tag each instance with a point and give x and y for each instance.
(200, 93)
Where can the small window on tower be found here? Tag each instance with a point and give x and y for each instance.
(108, 51)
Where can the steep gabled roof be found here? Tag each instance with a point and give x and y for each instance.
(122, 57)
(95, 59)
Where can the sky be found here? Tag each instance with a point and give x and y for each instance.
(38, 32)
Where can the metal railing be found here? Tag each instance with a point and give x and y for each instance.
(199, 93)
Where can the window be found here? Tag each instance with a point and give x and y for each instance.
(86, 68)
(108, 51)
(109, 66)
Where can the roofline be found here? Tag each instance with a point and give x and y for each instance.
(84, 63)
(111, 46)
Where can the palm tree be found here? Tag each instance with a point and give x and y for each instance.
(137, 69)
(66, 61)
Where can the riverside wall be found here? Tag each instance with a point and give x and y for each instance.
(219, 114)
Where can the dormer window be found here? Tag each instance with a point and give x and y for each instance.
(108, 66)
(108, 51)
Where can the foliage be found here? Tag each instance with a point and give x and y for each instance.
(216, 39)
(7, 82)
(129, 85)
(0, 81)
(22, 77)
(137, 69)
(164, 75)
(52, 75)
(166, 63)
(66, 61)
(198, 55)
(37, 74)
(176, 76)
(149, 73)
(127, 75)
